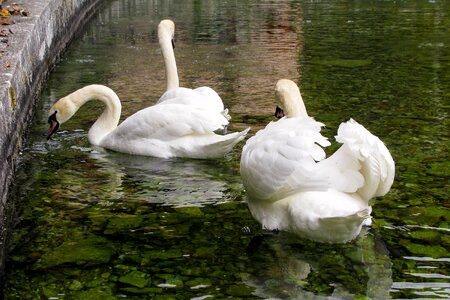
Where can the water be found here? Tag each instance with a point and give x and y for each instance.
(92, 224)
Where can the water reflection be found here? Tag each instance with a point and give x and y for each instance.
(296, 269)
(206, 50)
(176, 182)
(173, 182)
(383, 61)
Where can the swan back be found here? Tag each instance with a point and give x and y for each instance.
(173, 130)
(281, 159)
(202, 97)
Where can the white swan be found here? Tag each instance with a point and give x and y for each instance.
(290, 184)
(165, 130)
(204, 96)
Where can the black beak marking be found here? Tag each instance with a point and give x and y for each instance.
(173, 43)
(52, 117)
(279, 113)
(54, 125)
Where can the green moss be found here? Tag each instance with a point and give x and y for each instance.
(89, 250)
(163, 255)
(135, 278)
(174, 282)
(135, 290)
(435, 251)
(199, 282)
(104, 293)
(190, 211)
(348, 63)
(123, 222)
(76, 285)
(205, 251)
(239, 290)
(441, 168)
(426, 235)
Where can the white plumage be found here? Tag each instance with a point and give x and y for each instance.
(164, 130)
(181, 124)
(292, 186)
(204, 97)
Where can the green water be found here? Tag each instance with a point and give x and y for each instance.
(93, 224)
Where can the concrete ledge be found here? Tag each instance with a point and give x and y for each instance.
(34, 45)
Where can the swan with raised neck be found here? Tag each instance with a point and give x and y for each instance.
(204, 97)
(166, 33)
(67, 106)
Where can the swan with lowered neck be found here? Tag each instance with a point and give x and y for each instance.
(292, 186)
(164, 130)
(204, 96)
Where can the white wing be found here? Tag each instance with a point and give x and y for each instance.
(169, 121)
(282, 158)
(363, 164)
(154, 130)
(212, 97)
(204, 97)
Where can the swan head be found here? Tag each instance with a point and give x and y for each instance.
(67, 106)
(59, 113)
(289, 100)
(166, 30)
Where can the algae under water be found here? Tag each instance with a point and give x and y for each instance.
(93, 224)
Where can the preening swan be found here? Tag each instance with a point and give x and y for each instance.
(292, 186)
(204, 96)
(164, 130)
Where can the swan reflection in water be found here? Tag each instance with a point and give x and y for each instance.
(171, 182)
(284, 266)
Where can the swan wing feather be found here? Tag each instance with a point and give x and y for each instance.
(165, 123)
(202, 97)
(363, 164)
(280, 158)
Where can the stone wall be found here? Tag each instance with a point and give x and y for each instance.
(29, 49)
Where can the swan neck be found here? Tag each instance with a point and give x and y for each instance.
(165, 41)
(290, 99)
(109, 119)
(295, 107)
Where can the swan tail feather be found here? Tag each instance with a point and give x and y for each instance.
(360, 215)
(376, 164)
(363, 164)
(346, 228)
(225, 144)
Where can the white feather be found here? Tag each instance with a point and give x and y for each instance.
(164, 130)
(203, 97)
(292, 186)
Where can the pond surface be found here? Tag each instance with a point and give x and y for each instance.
(93, 224)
